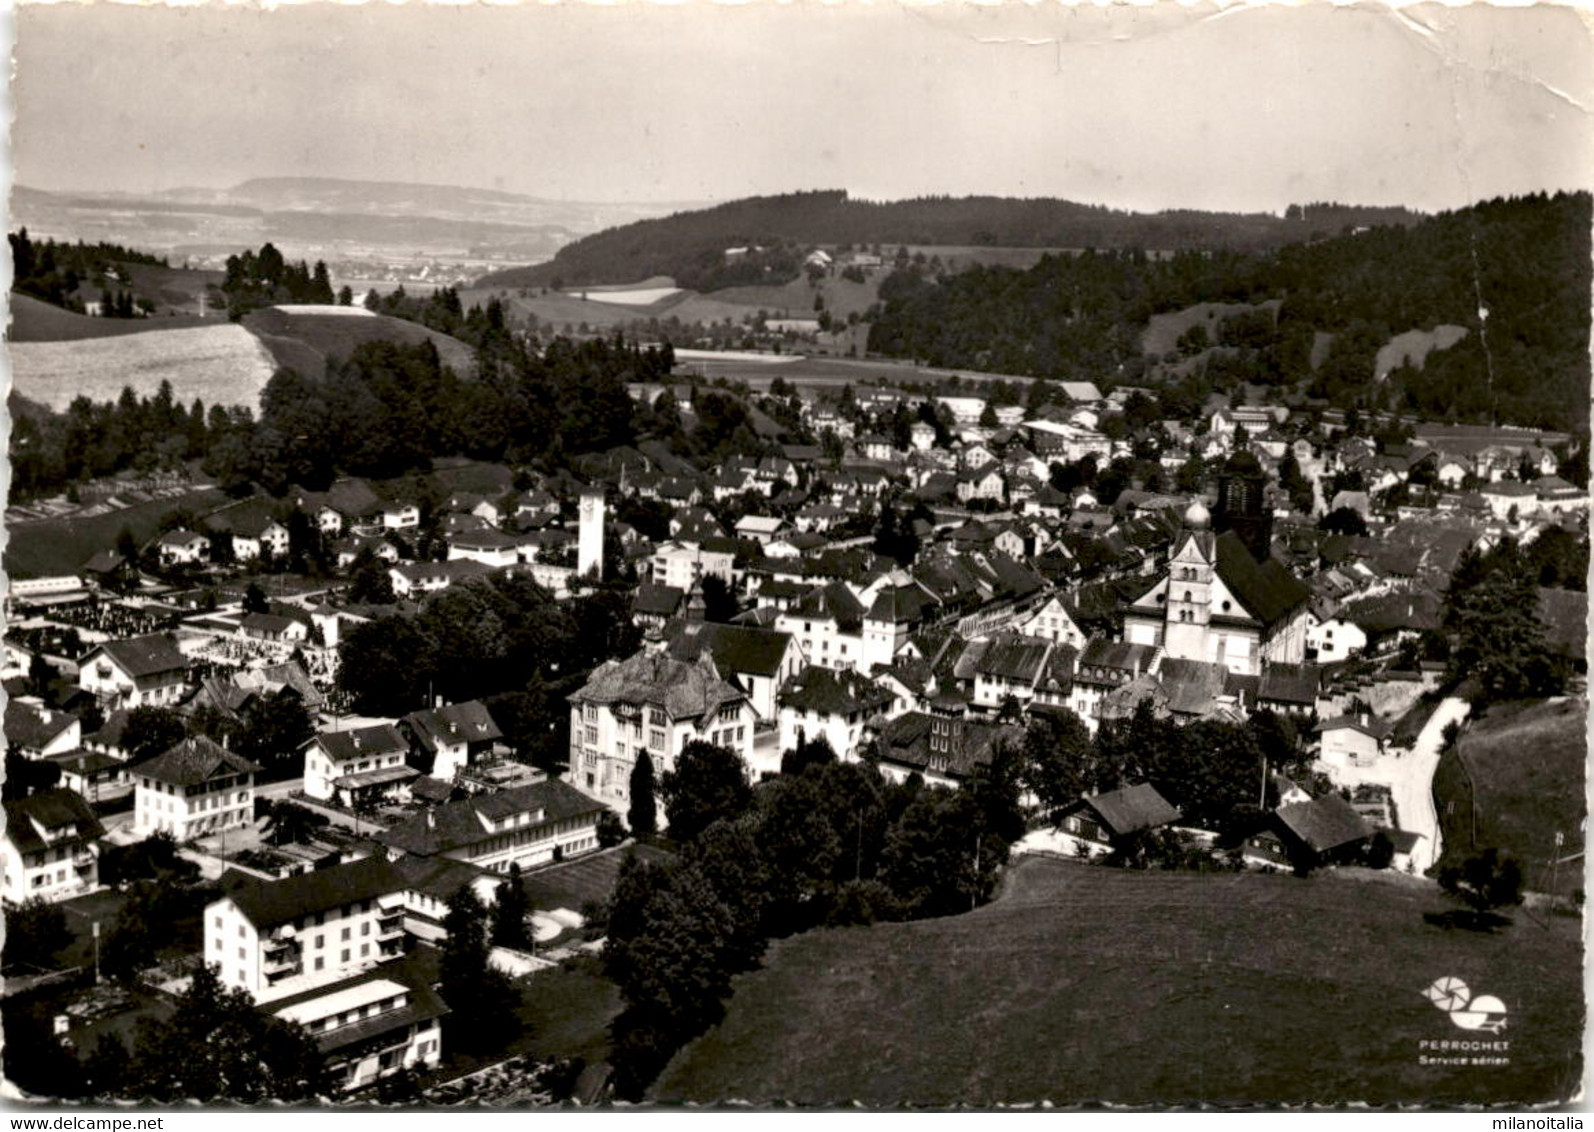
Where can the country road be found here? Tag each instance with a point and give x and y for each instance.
(1410, 778)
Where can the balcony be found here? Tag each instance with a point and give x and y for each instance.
(280, 963)
(82, 859)
(390, 925)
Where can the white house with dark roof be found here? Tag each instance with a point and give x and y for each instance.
(415, 578)
(1352, 740)
(35, 731)
(182, 547)
(828, 624)
(655, 703)
(50, 847)
(819, 703)
(361, 764)
(1095, 825)
(450, 737)
(272, 937)
(145, 671)
(371, 1025)
(193, 789)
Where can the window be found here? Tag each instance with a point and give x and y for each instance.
(345, 955)
(347, 932)
(320, 941)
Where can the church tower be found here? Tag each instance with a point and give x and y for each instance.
(1242, 504)
(1190, 573)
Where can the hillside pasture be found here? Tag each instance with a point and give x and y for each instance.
(1523, 766)
(43, 548)
(222, 364)
(34, 321)
(1163, 331)
(1414, 346)
(305, 337)
(1089, 985)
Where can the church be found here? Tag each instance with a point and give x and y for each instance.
(1218, 604)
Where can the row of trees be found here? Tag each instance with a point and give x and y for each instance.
(52, 272)
(264, 278)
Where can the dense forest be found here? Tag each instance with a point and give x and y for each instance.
(1513, 273)
(52, 272)
(690, 246)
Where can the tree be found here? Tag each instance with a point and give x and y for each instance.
(1057, 758)
(345, 296)
(385, 664)
(275, 730)
(370, 583)
(719, 603)
(217, 1045)
(510, 912)
(477, 994)
(643, 815)
(1492, 879)
(255, 599)
(988, 417)
(1343, 521)
(808, 752)
(151, 731)
(708, 783)
(35, 931)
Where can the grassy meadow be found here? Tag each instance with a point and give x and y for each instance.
(1084, 985)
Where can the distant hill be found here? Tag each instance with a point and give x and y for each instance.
(690, 246)
(304, 338)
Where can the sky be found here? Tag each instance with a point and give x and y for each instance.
(1150, 107)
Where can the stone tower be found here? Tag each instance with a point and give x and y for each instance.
(589, 550)
(1242, 504)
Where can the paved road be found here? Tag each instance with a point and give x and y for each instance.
(1410, 778)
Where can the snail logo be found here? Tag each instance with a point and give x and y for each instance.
(1452, 996)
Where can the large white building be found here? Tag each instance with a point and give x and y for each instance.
(524, 825)
(370, 1026)
(651, 702)
(355, 764)
(679, 564)
(193, 789)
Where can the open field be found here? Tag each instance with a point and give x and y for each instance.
(33, 321)
(304, 337)
(1084, 984)
(592, 877)
(1414, 346)
(51, 547)
(1161, 335)
(218, 363)
(1527, 763)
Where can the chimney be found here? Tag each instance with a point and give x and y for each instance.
(1364, 719)
(356, 742)
(431, 819)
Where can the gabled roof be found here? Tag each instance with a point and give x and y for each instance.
(827, 692)
(469, 722)
(907, 604)
(834, 602)
(1267, 590)
(1131, 809)
(33, 727)
(1192, 686)
(1014, 658)
(1324, 823)
(1289, 684)
(658, 600)
(52, 811)
(266, 904)
(153, 655)
(1370, 726)
(266, 623)
(460, 825)
(193, 761)
(734, 649)
(362, 742)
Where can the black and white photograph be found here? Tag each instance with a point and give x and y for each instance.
(816, 555)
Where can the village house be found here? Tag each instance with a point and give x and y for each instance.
(1103, 667)
(144, 671)
(182, 548)
(450, 737)
(1306, 835)
(35, 731)
(941, 746)
(193, 789)
(358, 766)
(835, 706)
(96, 776)
(272, 628)
(679, 564)
(523, 825)
(427, 577)
(487, 546)
(1352, 741)
(1097, 825)
(371, 1025)
(50, 847)
(655, 703)
(828, 625)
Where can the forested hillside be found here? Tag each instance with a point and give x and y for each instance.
(690, 246)
(1515, 273)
